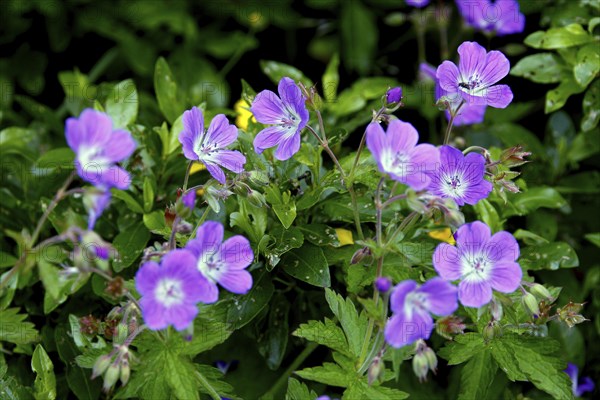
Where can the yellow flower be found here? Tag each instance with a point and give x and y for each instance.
(344, 236)
(243, 114)
(445, 235)
(197, 166)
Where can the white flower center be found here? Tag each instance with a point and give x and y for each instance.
(476, 267)
(398, 164)
(211, 267)
(415, 302)
(91, 157)
(473, 85)
(169, 292)
(290, 122)
(453, 184)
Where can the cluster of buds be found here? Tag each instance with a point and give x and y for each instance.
(538, 301)
(362, 256)
(255, 197)
(89, 325)
(570, 314)
(501, 170)
(441, 210)
(424, 360)
(313, 99)
(113, 366)
(450, 326)
(492, 330)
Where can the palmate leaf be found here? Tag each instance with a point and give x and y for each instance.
(329, 374)
(477, 376)
(14, 329)
(326, 333)
(298, 391)
(353, 324)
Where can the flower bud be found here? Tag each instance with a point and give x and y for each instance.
(110, 377)
(89, 325)
(101, 365)
(496, 309)
(420, 366)
(383, 284)
(449, 326)
(115, 287)
(361, 256)
(432, 361)
(570, 314)
(375, 370)
(540, 291)
(184, 227)
(492, 330)
(169, 216)
(125, 372)
(531, 304)
(256, 198)
(393, 95)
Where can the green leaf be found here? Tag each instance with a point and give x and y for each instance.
(329, 374)
(556, 98)
(299, 391)
(13, 328)
(122, 104)
(277, 70)
(129, 201)
(167, 95)
(148, 195)
(594, 238)
(585, 145)
(514, 134)
(534, 198)
(588, 64)
(208, 333)
(540, 68)
(129, 244)
(331, 78)
(273, 344)
(591, 109)
(50, 278)
(362, 390)
(549, 256)
(180, 374)
(353, 324)
(45, 381)
(320, 235)
(477, 376)
(488, 214)
(533, 359)
(246, 307)
(252, 220)
(326, 333)
(556, 38)
(359, 36)
(279, 242)
(54, 161)
(463, 348)
(308, 263)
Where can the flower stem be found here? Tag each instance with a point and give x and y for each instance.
(310, 347)
(187, 175)
(173, 233)
(451, 122)
(200, 221)
(211, 390)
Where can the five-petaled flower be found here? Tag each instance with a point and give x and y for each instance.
(417, 3)
(209, 147)
(398, 154)
(500, 16)
(481, 261)
(467, 114)
(288, 115)
(475, 77)
(412, 306)
(98, 147)
(95, 200)
(460, 177)
(221, 262)
(171, 290)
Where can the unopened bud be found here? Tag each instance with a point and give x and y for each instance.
(169, 216)
(256, 198)
(110, 377)
(125, 372)
(432, 360)
(449, 326)
(184, 227)
(101, 365)
(540, 291)
(393, 95)
(531, 304)
(492, 330)
(361, 256)
(514, 156)
(375, 370)
(420, 366)
(496, 309)
(383, 284)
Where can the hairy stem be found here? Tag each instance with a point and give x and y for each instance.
(451, 122)
(187, 175)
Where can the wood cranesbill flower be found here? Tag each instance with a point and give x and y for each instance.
(460, 177)
(417, 3)
(222, 262)
(412, 306)
(95, 200)
(398, 154)
(481, 261)
(499, 16)
(476, 75)
(288, 115)
(98, 148)
(209, 147)
(170, 291)
(579, 386)
(468, 114)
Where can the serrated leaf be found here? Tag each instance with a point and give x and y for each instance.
(477, 376)
(129, 244)
(14, 328)
(252, 220)
(353, 324)
(362, 390)
(326, 333)
(308, 263)
(45, 381)
(463, 348)
(298, 391)
(329, 374)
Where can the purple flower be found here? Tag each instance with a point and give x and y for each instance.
(468, 114)
(412, 307)
(95, 200)
(209, 147)
(398, 154)
(481, 261)
(98, 147)
(189, 199)
(500, 16)
(222, 262)
(580, 386)
(393, 95)
(417, 3)
(475, 77)
(288, 115)
(171, 290)
(460, 177)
